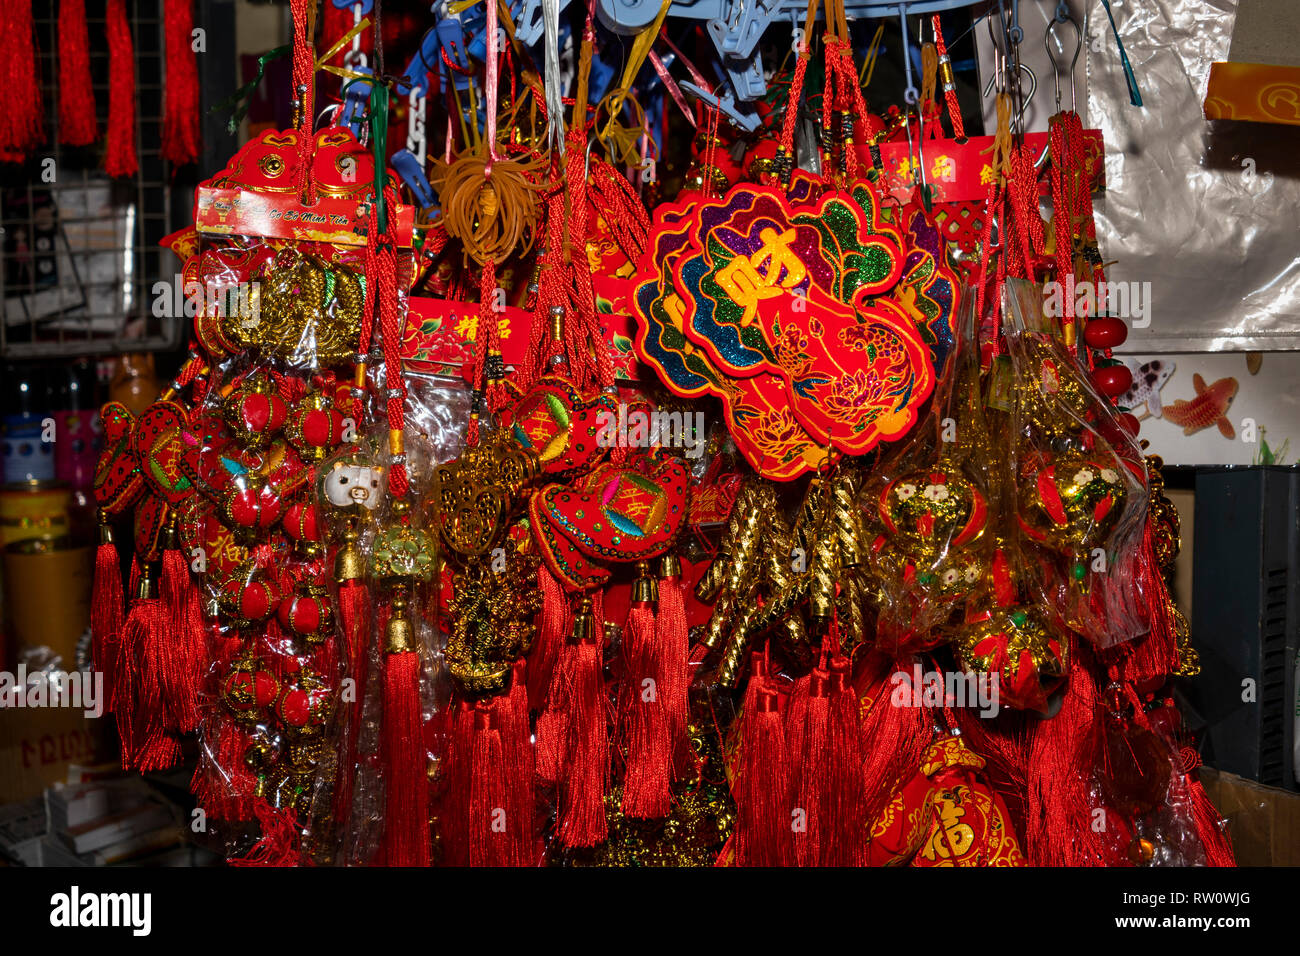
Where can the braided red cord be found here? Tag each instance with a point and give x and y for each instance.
(371, 271)
(304, 77)
(390, 318)
(792, 104)
(949, 93)
(494, 390)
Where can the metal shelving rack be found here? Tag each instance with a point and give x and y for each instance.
(85, 286)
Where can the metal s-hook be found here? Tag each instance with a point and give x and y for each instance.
(1050, 37)
(1026, 69)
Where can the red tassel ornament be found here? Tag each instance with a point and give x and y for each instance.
(761, 786)
(406, 818)
(180, 127)
(518, 749)
(22, 121)
(556, 622)
(672, 643)
(141, 713)
(184, 652)
(77, 126)
(586, 769)
(647, 792)
(808, 737)
(119, 150)
(846, 823)
(106, 608)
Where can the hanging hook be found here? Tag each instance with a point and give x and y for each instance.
(911, 94)
(1058, 65)
(1033, 88)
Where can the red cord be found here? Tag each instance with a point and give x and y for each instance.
(949, 90)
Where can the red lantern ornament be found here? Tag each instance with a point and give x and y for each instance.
(1106, 332)
(1112, 380)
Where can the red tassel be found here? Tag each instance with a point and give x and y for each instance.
(180, 129)
(458, 723)
(894, 736)
(846, 820)
(184, 650)
(515, 738)
(556, 621)
(77, 126)
(223, 784)
(354, 621)
(762, 785)
(1062, 751)
(140, 710)
(488, 823)
(280, 841)
(106, 613)
(406, 823)
(22, 121)
(647, 791)
(1155, 656)
(1209, 826)
(553, 722)
(808, 739)
(586, 780)
(119, 152)
(672, 644)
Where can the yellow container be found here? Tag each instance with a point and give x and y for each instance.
(34, 509)
(47, 588)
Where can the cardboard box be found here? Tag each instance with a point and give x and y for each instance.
(37, 745)
(1264, 822)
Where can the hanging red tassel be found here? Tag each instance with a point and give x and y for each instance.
(586, 770)
(647, 792)
(1155, 656)
(280, 840)
(354, 622)
(458, 722)
(846, 818)
(808, 738)
(1209, 825)
(22, 121)
(406, 823)
(141, 713)
(672, 644)
(762, 789)
(553, 722)
(106, 609)
(518, 748)
(119, 151)
(556, 621)
(184, 651)
(180, 127)
(488, 823)
(894, 737)
(77, 126)
(1062, 751)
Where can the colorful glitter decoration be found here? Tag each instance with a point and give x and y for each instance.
(816, 321)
